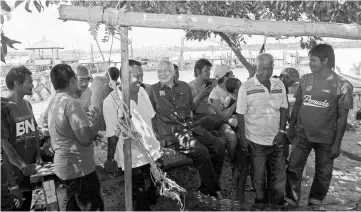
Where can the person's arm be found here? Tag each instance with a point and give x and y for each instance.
(241, 110)
(80, 124)
(13, 156)
(283, 110)
(110, 117)
(345, 103)
(37, 139)
(225, 114)
(297, 105)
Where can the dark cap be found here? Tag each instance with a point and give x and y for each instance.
(291, 73)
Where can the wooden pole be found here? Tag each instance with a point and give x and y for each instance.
(211, 23)
(126, 98)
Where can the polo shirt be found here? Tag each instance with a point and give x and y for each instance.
(142, 114)
(261, 109)
(321, 99)
(173, 108)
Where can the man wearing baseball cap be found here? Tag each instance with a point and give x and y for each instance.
(84, 78)
(288, 76)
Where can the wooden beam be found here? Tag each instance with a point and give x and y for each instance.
(210, 23)
(126, 98)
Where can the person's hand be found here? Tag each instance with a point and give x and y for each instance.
(291, 133)
(205, 91)
(38, 161)
(245, 145)
(47, 149)
(110, 166)
(28, 169)
(19, 199)
(93, 114)
(233, 122)
(279, 139)
(335, 151)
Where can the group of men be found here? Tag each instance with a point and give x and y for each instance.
(203, 119)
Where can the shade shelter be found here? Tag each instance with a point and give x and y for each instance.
(121, 19)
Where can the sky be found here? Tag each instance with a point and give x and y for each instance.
(31, 27)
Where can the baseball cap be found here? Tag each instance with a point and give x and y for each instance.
(291, 73)
(220, 71)
(82, 72)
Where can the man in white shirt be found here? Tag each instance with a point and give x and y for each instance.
(262, 108)
(142, 113)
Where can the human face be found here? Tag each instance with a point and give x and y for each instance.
(165, 73)
(27, 87)
(316, 65)
(264, 70)
(205, 73)
(287, 81)
(136, 78)
(83, 83)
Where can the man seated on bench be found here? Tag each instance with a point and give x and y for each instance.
(173, 104)
(142, 113)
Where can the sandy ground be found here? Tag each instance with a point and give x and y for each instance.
(344, 192)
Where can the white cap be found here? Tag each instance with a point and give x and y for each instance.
(220, 71)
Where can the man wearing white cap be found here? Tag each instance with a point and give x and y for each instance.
(217, 99)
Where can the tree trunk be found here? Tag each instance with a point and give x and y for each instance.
(237, 51)
(210, 23)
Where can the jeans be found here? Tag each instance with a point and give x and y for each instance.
(83, 193)
(269, 188)
(207, 153)
(143, 197)
(323, 170)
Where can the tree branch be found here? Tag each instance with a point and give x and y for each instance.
(237, 51)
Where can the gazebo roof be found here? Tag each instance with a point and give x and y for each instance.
(44, 44)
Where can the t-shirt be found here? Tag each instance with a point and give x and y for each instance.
(142, 114)
(321, 99)
(204, 107)
(220, 94)
(71, 159)
(18, 125)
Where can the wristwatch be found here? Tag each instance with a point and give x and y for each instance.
(282, 131)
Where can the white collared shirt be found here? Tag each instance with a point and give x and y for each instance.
(142, 114)
(261, 109)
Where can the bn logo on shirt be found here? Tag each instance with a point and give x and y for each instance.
(25, 127)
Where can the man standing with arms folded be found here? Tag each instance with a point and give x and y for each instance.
(262, 107)
(72, 140)
(323, 100)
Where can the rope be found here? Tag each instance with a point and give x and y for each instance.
(263, 49)
(125, 130)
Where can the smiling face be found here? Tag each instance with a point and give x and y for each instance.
(316, 65)
(83, 83)
(136, 78)
(165, 72)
